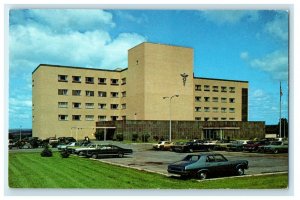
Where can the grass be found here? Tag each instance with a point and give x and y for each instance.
(30, 170)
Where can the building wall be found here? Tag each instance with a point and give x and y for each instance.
(187, 129)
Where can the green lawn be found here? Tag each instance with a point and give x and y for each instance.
(30, 170)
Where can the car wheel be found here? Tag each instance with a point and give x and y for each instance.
(276, 151)
(240, 171)
(94, 156)
(191, 150)
(120, 155)
(202, 175)
(80, 153)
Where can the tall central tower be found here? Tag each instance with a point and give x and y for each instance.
(156, 71)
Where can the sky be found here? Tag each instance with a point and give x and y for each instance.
(248, 45)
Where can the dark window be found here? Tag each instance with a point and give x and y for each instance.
(102, 81)
(63, 78)
(89, 80)
(76, 79)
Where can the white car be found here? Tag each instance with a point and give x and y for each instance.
(163, 145)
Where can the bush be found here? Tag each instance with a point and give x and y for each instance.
(46, 152)
(120, 137)
(134, 137)
(145, 137)
(64, 153)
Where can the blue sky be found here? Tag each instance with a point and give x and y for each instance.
(249, 45)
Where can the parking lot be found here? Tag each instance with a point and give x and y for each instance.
(144, 158)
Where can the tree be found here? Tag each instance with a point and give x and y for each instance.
(284, 127)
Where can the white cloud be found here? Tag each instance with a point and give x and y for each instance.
(244, 55)
(278, 27)
(275, 63)
(229, 16)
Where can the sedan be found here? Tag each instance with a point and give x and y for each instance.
(108, 150)
(207, 165)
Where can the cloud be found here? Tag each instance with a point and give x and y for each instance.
(275, 63)
(230, 16)
(244, 55)
(278, 27)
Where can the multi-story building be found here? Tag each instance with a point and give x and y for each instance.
(157, 84)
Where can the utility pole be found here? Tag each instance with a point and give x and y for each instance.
(280, 111)
(170, 129)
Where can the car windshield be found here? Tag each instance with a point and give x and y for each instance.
(276, 143)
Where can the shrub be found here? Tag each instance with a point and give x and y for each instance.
(46, 152)
(120, 137)
(64, 153)
(134, 137)
(145, 137)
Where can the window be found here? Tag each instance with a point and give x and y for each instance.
(206, 88)
(124, 106)
(215, 109)
(206, 109)
(232, 89)
(231, 100)
(62, 78)
(101, 117)
(89, 80)
(124, 117)
(89, 93)
(62, 104)
(89, 118)
(215, 88)
(102, 81)
(62, 92)
(76, 79)
(215, 99)
(76, 92)
(197, 87)
(101, 105)
(231, 110)
(223, 118)
(123, 81)
(206, 99)
(215, 118)
(197, 118)
(232, 118)
(76, 117)
(114, 106)
(206, 119)
(223, 100)
(114, 81)
(114, 94)
(223, 110)
(101, 94)
(76, 105)
(197, 109)
(89, 105)
(223, 89)
(197, 99)
(124, 94)
(114, 118)
(62, 117)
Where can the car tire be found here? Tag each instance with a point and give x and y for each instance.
(240, 171)
(275, 151)
(120, 155)
(94, 156)
(80, 153)
(191, 150)
(202, 175)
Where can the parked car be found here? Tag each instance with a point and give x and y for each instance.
(81, 151)
(207, 165)
(253, 146)
(221, 145)
(163, 145)
(275, 147)
(194, 145)
(237, 145)
(108, 150)
(71, 144)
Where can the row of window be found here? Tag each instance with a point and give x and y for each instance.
(91, 80)
(214, 99)
(214, 109)
(207, 88)
(214, 118)
(89, 118)
(91, 105)
(91, 93)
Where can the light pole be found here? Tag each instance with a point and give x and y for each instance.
(20, 133)
(170, 130)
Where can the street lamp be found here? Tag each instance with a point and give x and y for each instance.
(170, 130)
(20, 133)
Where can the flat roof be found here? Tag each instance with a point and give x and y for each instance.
(163, 44)
(74, 67)
(217, 79)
